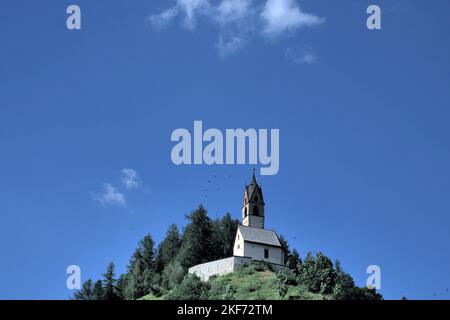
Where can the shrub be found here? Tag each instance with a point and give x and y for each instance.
(191, 288)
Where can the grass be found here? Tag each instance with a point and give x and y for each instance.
(254, 282)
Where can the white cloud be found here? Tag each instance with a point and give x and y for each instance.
(163, 19)
(238, 20)
(189, 9)
(307, 56)
(233, 10)
(111, 196)
(227, 46)
(130, 178)
(280, 16)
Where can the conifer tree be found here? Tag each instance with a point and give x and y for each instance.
(85, 293)
(141, 274)
(285, 247)
(199, 243)
(135, 278)
(168, 248)
(120, 287)
(109, 283)
(294, 261)
(228, 228)
(98, 292)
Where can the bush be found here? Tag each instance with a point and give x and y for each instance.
(317, 273)
(191, 288)
(230, 293)
(282, 280)
(173, 274)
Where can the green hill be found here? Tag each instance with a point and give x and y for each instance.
(160, 273)
(253, 282)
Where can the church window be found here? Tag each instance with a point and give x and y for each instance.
(256, 211)
(245, 211)
(266, 253)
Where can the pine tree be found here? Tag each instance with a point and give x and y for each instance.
(285, 247)
(147, 246)
(141, 276)
(85, 293)
(199, 243)
(135, 278)
(120, 286)
(109, 283)
(149, 263)
(228, 228)
(168, 248)
(294, 261)
(98, 292)
(172, 275)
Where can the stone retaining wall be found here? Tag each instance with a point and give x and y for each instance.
(220, 267)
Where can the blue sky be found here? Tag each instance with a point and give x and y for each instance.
(363, 118)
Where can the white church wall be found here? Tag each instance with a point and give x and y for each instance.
(238, 249)
(256, 251)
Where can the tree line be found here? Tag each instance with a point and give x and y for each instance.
(155, 270)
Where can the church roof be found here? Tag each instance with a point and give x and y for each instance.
(258, 235)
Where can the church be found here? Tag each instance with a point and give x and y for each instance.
(252, 242)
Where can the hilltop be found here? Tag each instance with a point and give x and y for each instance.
(162, 272)
(254, 282)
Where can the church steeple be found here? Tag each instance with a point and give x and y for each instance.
(253, 205)
(253, 177)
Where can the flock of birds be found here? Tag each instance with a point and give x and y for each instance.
(212, 181)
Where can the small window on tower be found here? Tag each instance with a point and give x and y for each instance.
(266, 253)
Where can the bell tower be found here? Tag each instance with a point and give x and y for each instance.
(253, 205)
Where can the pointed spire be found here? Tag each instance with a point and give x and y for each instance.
(253, 177)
